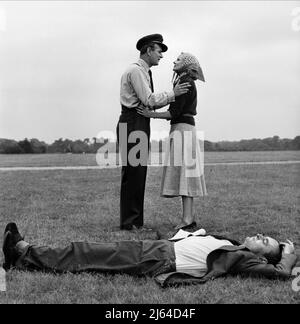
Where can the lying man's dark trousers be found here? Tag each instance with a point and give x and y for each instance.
(130, 257)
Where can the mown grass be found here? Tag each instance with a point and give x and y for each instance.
(45, 160)
(56, 207)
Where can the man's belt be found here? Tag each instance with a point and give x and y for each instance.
(128, 110)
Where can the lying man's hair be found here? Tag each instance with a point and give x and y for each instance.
(274, 257)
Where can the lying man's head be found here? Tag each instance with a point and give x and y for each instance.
(264, 246)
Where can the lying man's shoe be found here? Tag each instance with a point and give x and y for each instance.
(13, 228)
(11, 238)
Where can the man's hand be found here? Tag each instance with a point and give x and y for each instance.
(288, 247)
(181, 89)
(144, 111)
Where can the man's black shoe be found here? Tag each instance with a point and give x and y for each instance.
(11, 238)
(126, 228)
(142, 229)
(9, 251)
(136, 228)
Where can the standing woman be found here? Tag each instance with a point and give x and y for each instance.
(180, 176)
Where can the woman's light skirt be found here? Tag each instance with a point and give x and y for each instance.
(183, 170)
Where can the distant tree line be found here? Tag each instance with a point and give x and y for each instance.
(267, 144)
(34, 146)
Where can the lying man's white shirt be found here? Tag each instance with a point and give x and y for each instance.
(183, 234)
(191, 251)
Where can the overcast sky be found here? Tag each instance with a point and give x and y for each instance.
(61, 64)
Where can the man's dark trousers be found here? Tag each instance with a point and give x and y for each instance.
(133, 181)
(131, 257)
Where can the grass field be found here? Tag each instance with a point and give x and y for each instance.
(46, 160)
(55, 207)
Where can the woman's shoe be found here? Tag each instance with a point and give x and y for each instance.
(186, 227)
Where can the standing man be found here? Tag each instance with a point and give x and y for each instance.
(137, 90)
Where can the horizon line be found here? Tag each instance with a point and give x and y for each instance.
(157, 140)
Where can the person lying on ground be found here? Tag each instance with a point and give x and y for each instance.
(187, 258)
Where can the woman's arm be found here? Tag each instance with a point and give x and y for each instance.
(179, 90)
(175, 108)
(146, 112)
(181, 103)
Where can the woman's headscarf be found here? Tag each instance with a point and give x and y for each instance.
(192, 66)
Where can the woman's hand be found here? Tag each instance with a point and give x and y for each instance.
(144, 111)
(288, 247)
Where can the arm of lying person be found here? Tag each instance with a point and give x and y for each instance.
(259, 267)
